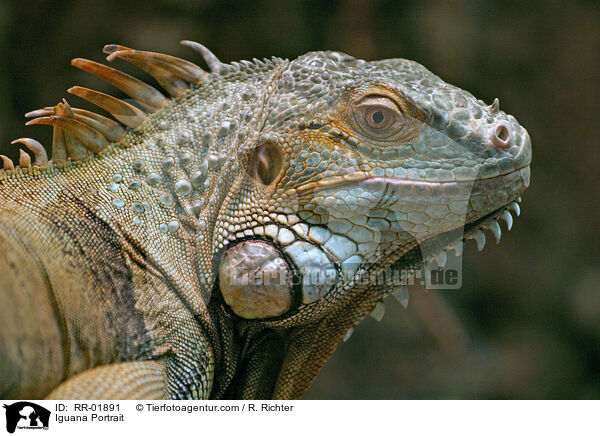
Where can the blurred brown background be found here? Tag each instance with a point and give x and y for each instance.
(526, 323)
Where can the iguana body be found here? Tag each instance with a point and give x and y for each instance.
(123, 269)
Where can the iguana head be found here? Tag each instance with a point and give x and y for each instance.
(359, 166)
(356, 165)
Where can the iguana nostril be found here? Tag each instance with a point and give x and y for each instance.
(502, 133)
(501, 136)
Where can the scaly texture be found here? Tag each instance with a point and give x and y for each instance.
(221, 244)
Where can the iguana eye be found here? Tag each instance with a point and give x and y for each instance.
(377, 116)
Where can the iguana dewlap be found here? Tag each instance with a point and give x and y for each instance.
(219, 240)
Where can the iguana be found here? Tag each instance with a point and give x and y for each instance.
(219, 242)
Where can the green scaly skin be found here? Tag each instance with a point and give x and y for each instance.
(113, 278)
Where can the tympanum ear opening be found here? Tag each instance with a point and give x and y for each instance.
(267, 162)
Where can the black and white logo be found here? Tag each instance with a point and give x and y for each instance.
(26, 415)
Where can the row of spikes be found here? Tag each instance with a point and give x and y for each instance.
(78, 132)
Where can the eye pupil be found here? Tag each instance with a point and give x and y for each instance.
(377, 117)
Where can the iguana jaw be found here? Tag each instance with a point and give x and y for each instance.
(434, 248)
(407, 250)
(412, 208)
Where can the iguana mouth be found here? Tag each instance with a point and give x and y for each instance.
(399, 185)
(330, 182)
